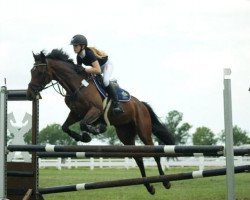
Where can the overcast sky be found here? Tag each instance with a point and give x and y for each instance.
(170, 54)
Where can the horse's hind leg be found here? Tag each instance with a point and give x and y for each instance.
(126, 134)
(166, 184)
(71, 119)
(144, 130)
(97, 127)
(148, 141)
(140, 164)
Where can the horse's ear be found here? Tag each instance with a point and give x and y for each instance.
(35, 56)
(43, 57)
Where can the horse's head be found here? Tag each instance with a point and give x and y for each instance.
(40, 76)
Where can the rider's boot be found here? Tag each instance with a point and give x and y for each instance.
(117, 108)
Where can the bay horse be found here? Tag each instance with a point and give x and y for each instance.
(86, 106)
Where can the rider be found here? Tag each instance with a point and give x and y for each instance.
(100, 64)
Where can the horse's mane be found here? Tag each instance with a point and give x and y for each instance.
(59, 54)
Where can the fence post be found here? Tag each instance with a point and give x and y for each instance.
(92, 164)
(109, 160)
(59, 163)
(201, 163)
(101, 162)
(3, 130)
(69, 162)
(126, 162)
(228, 134)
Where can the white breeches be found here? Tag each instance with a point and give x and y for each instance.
(107, 70)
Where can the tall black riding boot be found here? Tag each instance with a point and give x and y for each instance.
(117, 108)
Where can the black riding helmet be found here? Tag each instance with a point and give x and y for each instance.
(79, 40)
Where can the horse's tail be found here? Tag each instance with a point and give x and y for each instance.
(160, 130)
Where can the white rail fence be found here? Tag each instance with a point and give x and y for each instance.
(127, 163)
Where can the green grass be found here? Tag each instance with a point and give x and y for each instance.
(205, 188)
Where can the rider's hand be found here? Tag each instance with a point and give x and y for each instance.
(79, 69)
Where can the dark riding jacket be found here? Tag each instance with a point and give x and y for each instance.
(89, 57)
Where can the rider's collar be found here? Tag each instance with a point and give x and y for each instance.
(82, 54)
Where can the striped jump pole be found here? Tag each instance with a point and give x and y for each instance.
(17, 95)
(237, 152)
(138, 181)
(127, 148)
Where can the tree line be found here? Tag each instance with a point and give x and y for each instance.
(203, 135)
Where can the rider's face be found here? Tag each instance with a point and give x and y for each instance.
(77, 48)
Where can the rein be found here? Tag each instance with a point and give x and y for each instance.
(52, 84)
(60, 89)
(38, 88)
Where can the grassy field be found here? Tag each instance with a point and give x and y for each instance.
(205, 188)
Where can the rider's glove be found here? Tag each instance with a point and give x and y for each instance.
(79, 69)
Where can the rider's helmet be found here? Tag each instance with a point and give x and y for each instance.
(79, 40)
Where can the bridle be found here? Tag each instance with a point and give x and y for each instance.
(39, 88)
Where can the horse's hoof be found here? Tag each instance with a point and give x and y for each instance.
(98, 129)
(102, 128)
(85, 137)
(167, 184)
(151, 189)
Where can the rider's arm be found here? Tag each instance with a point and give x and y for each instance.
(95, 68)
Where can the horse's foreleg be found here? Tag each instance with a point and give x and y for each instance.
(71, 119)
(86, 123)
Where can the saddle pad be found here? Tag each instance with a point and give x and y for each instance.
(122, 94)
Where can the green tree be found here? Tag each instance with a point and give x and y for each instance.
(203, 136)
(180, 131)
(240, 136)
(28, 137)
(109, 136)
(52, 134)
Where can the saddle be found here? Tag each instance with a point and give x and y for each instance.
(123, 95)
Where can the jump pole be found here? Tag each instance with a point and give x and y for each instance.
(139, 181)
(127, 148)
(229, 135)
(237, 152)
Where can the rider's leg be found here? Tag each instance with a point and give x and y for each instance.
(112, 94)
(107, 71)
